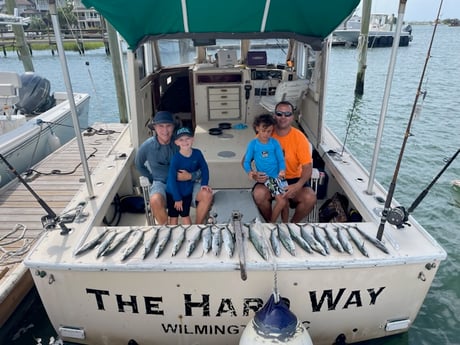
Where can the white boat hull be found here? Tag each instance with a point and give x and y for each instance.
(29, 143)
(203, 300)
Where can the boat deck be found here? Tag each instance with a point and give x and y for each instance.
(20, 212)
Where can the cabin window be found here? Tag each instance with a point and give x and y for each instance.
(275, 55)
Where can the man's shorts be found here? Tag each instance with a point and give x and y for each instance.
(160, 188)
(172, 212)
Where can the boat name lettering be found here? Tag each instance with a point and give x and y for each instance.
(354, 298)
(194, 306)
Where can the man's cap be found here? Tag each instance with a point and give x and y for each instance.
(161, 117)
(184, 131)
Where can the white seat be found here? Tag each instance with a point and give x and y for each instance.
(10, 83)
(291, 91)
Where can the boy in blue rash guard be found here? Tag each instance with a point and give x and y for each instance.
(179, 193)
(268, 158)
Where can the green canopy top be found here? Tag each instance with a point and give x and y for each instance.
(308, 21)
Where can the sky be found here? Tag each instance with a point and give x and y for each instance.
(419, 10)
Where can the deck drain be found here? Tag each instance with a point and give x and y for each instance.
(226, 154)
(225, 136)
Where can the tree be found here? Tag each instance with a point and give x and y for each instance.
(67, 19)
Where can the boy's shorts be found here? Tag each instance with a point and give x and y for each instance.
(186, 202)
(160, 188)
(275, 186)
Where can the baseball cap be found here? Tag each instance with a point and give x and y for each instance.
(184, 131)
(161, 117)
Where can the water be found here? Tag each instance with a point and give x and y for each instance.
(434, 139)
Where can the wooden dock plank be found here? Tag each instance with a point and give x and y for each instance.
(20, 210)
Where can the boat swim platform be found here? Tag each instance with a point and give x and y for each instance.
(21, 213)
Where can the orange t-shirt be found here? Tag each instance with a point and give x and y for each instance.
(296, 150)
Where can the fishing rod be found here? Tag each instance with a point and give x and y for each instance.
(388, 213)
(51, 219)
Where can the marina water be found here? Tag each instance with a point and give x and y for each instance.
(434, 139)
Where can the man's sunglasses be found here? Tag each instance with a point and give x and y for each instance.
(285, 113)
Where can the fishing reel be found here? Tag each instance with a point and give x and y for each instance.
(397, 216)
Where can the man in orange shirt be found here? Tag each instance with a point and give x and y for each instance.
(299, 165)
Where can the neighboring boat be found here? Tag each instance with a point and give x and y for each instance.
(34, 123)
(381, 31)
(135, 283)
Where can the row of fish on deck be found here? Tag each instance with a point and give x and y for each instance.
(214, 236)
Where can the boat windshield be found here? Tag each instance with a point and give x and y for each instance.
(184, 51)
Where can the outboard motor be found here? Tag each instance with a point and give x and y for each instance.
(34, 95)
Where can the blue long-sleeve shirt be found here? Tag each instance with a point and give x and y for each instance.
(268, 157)
(196, 161)
(153, 159)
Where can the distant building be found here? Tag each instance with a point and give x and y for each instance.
(87, 18)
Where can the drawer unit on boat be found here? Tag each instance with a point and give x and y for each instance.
(224, 102)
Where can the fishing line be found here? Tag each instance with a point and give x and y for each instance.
(356, 101)
(387, 208)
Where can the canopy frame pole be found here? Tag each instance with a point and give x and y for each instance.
(70, 97)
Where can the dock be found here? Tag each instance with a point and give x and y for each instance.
(56, 179)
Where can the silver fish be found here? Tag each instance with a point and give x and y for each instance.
(275, 241)
(179, 241)
(105, 244)
(286, 240)
(359, 243)
(149, 242)
(314, 244)
(162, 242)
(332, 239)
(206, 235)
(320, 238)
(137, 237)
(257, 241)
(91, 244)
(191, 243)
(299, 239)
(216, 243)
(122, 237)
(375, 241)
(229, 241)
(344, 240)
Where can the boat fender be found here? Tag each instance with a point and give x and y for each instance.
(274, 323)
(54, 142)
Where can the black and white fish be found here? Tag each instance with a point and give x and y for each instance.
(93, 243)
(299, 239)
(149, 240)
(275, 241)
(136, 239)
(375, 241)
(358, 241)
(257, 240)
(332, 239)
(192, 242)
(117, 241)
(179, 240)
(343, 239)
(206, 236)
(314, 244)
(162, 241)
(286, 239)
(320, 238)
(105, 244)
(216, 243)
(229, 241)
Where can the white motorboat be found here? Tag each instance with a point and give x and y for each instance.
(26, 135)
(140, 291)
(381, 31)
